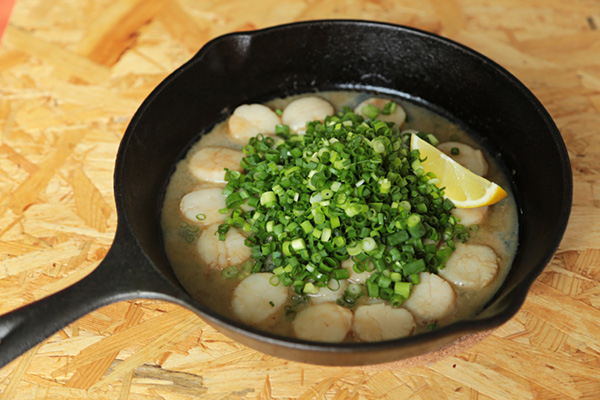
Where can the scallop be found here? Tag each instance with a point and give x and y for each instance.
(325, 322)
(202, 206)
(398, 116)
(305, 109)
(208, 164)
(471, 266)
(376, 322)
(467, 156)
(248, 120)
(215, 253)
(432, 299)
(470, 216)
(255, 299)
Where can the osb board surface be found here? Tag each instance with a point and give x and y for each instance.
(72, 73)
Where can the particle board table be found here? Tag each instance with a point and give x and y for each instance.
(73, 72)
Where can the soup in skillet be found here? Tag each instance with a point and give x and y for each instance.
(311, 217)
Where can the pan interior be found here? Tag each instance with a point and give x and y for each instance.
(254, 67)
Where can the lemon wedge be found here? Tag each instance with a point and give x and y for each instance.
(464, 188)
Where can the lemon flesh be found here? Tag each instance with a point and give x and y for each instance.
(464, 188)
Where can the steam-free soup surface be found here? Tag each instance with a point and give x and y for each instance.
(200, 260)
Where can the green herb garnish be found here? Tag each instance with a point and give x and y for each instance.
(348, 187)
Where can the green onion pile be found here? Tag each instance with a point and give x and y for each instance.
(347, 188)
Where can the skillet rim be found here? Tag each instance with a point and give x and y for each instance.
(462, 327)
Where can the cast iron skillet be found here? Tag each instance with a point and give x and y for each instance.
(319, 55)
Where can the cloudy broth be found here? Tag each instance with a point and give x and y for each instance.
(207, 285)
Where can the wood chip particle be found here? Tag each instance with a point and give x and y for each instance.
(62, 59)
(91, 206)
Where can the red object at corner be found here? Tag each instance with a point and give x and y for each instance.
(6, 7)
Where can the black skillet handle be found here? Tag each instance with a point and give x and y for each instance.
(124, 274)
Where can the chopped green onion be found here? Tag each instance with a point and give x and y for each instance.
(274, 280)
(341, 273)
(310, 288)
(326, 235)
(368, 244)
(383, 281)
(389, 108)
(414, 267)
(372, 289)
(432, 139)
(370, 111)
(230, 272)
(396, 277)
(268, 199)
(396, 300)
(414, 278)
(403, 289)
(348, 187)
(298, 244)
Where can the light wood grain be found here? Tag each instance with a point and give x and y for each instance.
(73, 72)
